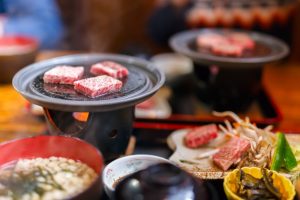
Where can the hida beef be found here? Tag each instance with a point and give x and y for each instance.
(98, 86)
(63, 74)
(227, 44)
(231, 152)
(109, 68)
(200, 135)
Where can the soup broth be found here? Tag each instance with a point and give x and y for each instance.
(44, 178)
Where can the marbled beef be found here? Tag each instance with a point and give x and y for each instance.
(228, 49)
(228, 44)
(241, 39)
(210, 39)
(109, 68)
(200, 135)
(63, 74)
(231, 152)
(97, 86)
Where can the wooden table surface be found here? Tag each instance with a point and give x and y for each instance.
(282, 81)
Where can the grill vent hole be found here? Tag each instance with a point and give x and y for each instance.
(113, 133)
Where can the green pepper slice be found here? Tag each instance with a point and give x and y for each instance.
(278, 156)
(290, 161)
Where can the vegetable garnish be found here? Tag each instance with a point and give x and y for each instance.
(44, 178)
(267, 178)
(278, 156)
(290, 161)
(262, 141)
(188, 162)
(283, 156)
(250, 187)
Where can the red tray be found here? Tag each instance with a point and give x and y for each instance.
(263, 112)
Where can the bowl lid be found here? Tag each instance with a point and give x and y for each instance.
(268, 48)
(144, 80)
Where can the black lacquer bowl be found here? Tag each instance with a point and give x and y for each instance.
(163, 181)
(110, 118)
(224, 82)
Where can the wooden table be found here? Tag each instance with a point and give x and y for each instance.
(282, 80)
(283, 83)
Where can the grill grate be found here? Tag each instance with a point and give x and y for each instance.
(133, 84)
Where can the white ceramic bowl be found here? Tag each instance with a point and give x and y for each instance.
(122, 167)
(173, 64)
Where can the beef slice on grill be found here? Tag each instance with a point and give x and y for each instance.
(59, 88)
(97, 86)
(200, 135)
(63, 74)
(210, 39)
(241, 39)
(109, 68)
(229, 44)
(228, 49)
(231, 152)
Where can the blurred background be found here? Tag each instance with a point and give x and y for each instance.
(37, 30)
(119, 26)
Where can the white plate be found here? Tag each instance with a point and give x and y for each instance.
(202, 168)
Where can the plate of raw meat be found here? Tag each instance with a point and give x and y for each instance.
(211, 151)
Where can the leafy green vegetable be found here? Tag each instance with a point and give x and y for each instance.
(20, 183)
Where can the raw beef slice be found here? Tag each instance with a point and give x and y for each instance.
(63, 74)
(210, 39)
(97, 86)
(200, 135)
(242, 39)
(231, 152)
(227, 49)
(109, 68)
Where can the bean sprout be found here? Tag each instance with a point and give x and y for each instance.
(261, 141)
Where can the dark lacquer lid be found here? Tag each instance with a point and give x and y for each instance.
(163, 181)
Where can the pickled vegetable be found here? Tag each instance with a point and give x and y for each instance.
(250, 187)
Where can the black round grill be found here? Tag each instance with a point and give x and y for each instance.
(143, 81)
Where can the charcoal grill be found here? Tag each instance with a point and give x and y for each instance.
(110, 118)
(229, 83)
